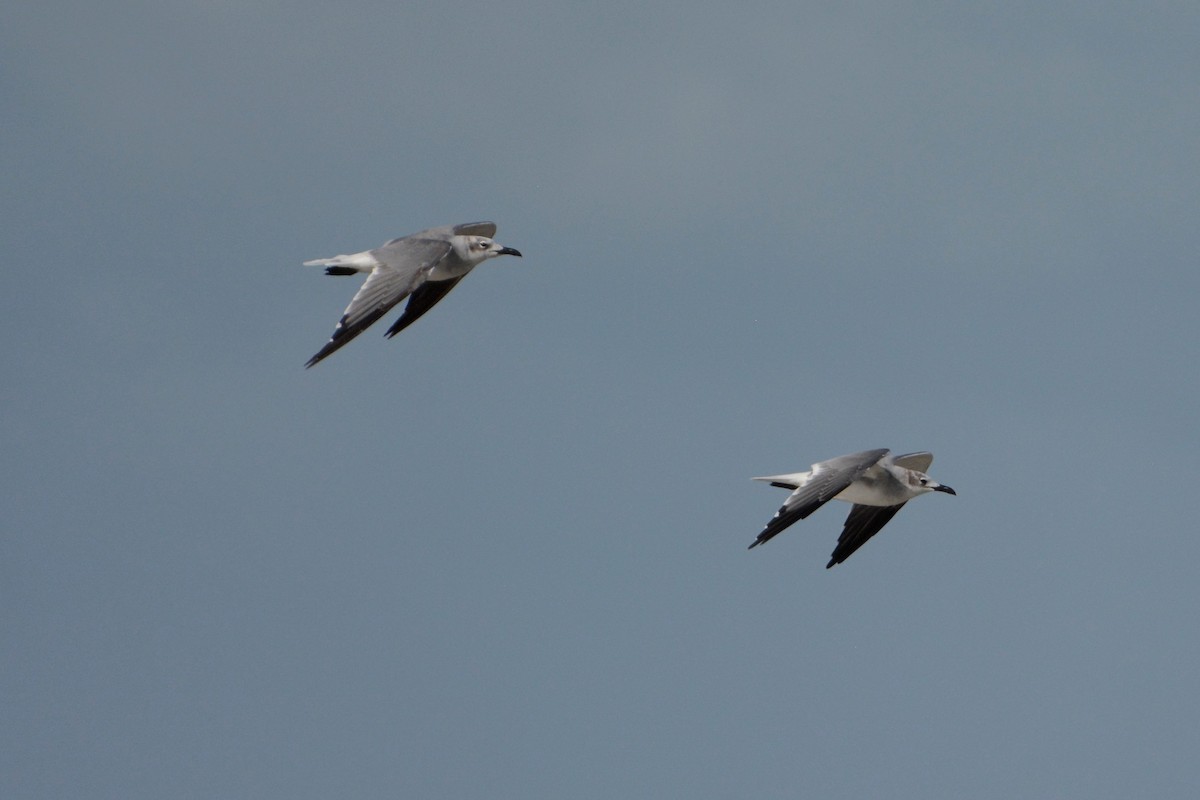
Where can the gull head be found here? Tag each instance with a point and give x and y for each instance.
(920, 482)
(475, 249)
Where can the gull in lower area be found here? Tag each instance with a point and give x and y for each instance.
(876, 482)
(423, 267)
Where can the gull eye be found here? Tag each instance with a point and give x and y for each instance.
(924, 481)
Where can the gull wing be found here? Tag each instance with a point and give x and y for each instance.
(424, 298)
(403, 266)
(444, 232)
(918, 461)
(862, 523)
(487, 229)
(824, 482)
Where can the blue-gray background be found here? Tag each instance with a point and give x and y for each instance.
(503, 555)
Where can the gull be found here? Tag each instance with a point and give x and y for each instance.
(877, 483)
(423, 267)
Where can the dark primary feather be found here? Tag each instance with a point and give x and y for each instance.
(786, 516)
(424, 298)
(862, 523)
(343, 333)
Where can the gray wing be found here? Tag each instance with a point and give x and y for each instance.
(427, 295)
(403, 266)
(918, 461)
(863, 523)
(487, 229)
(444, 232)
(826, 480)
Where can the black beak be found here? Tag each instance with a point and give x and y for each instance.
(509, 251)
(946, 489)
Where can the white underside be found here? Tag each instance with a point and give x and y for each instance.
(443, 272)
(864, 495)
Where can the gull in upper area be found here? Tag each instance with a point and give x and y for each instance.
(423, 267)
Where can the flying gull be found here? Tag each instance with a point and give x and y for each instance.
(877, 483)
(423, 267)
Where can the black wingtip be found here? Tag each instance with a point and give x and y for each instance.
(340, 271)
(763, 538)
(320, 355)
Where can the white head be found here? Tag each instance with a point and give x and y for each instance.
(474, 249)
(920, 483)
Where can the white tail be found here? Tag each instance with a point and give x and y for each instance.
(790, 481)
(359, 262)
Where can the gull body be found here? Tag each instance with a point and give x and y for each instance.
(423, 267)
(877, 483)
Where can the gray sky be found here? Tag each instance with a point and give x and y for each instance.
(504, 554)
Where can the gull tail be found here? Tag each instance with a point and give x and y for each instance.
(344, 265)
(790, 481)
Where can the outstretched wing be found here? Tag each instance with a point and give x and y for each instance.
(402, 267)
(444, 232)
(487, 229)
(918, 461)
(824, 482)
(862, 523)
(424, 298)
